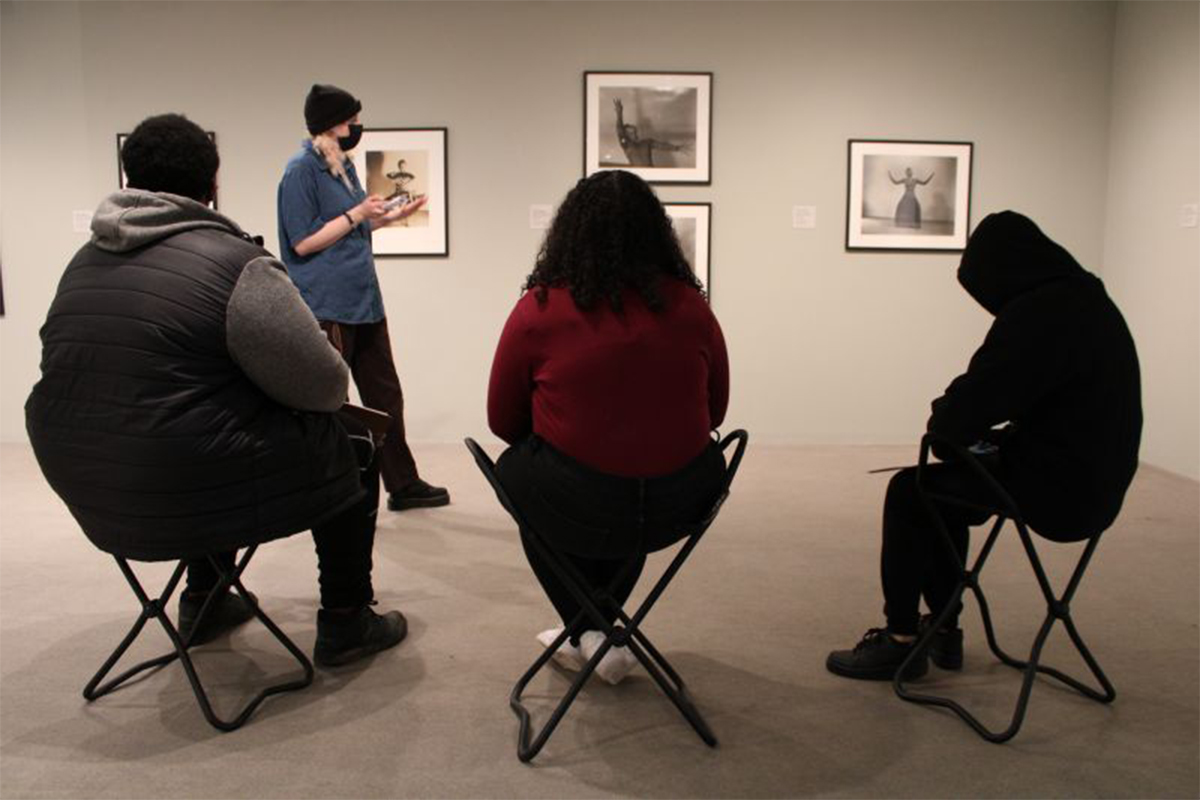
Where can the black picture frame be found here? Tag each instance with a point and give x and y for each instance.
(427, 233)
(678, 131)
(881, 217)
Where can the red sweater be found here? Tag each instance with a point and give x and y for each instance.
(633, 394)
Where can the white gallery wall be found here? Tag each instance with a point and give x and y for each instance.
(826, 346)
(1152, 262)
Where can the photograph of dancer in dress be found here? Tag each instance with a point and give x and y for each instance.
(908, 210)
(890, 200)
(646, 127)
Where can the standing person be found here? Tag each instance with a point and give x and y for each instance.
(609, 377)
(1060, 367)
(325, 225)
(187, 400)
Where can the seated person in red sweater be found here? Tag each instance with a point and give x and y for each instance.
(610, 375)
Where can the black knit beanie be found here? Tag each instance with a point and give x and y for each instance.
(327, 106)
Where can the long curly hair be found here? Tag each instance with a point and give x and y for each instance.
(610, 233)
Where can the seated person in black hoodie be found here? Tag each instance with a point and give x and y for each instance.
(187, 399)
(1058, 368)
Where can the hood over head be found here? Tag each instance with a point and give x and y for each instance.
(131, 218)
(1008, 255)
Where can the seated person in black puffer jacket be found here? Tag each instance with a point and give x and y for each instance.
(1059, 366)
(187, 400)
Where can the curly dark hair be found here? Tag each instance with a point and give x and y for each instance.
(170, 153)
(610, 233)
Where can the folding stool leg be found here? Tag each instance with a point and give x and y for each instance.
(671, 684)
(156, 609)
(1059, 609)
(676, 690)
(1056, 609)
(528, 745)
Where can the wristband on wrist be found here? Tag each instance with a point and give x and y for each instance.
(349, 219)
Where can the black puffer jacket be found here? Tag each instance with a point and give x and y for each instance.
(1060, 365)
(144, 421)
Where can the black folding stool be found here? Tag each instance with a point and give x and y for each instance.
(156, 609)
(1056, 608)
(628, 631)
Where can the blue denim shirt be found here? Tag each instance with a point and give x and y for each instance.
(338, 283)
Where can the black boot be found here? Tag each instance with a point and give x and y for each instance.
(946, 649)
(226, 612)
(342, 638)
(418, 494)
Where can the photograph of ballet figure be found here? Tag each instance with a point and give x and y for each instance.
(656, 125)
(644, 127)
(400, 175)
(908, 195)
(402, 165)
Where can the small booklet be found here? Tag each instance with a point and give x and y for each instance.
(376, 421)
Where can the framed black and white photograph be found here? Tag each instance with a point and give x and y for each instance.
(122, 181)
(693, 226)
(657, 125)
(402, 165)
(908, 195)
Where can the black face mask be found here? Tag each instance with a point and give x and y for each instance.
(348, 143)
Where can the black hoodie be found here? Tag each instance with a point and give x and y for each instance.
(1060, 365)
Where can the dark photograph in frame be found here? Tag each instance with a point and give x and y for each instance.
(908, 195)
(121, 180)
(402, 165)
(693, 226)
(657, 125)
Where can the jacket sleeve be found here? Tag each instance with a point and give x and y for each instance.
(275, 339)
(510, 389)
(718, 375)
(1024, 357)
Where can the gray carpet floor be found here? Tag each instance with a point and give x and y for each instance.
(789, 572)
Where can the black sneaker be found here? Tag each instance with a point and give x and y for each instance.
(342, 638)
(418, 494)
(875, 658)
(225, 614)
(946, 649)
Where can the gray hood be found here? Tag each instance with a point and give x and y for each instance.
(131, 218)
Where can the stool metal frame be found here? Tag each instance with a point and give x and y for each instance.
(627, 631)
(156, 609)
(1057, 608)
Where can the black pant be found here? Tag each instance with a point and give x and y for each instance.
(344, 542)
(601, 523)
(914, 560)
